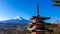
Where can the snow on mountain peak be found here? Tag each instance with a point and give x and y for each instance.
(18, 17)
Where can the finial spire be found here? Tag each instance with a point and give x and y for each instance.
(37, 8)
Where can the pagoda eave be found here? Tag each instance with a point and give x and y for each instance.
(40, 17)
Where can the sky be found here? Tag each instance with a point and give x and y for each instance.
(10, 9)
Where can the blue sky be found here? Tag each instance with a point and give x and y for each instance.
(27, 8)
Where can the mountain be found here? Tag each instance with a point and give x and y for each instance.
(18, 22)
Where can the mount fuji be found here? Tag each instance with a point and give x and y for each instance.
(14, 23)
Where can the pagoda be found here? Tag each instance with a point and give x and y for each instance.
(38, 25)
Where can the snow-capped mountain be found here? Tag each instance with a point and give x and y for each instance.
(14, 23)
(16, 20)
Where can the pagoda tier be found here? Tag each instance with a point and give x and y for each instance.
(39, 23)
(41, 30)
(40, 17)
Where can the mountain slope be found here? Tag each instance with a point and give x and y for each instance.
(14, 23)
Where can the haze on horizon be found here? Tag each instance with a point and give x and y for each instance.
(9, 9)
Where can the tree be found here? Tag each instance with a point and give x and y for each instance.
(56, 3)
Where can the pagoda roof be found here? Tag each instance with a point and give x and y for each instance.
(40, 17)
(45, 30)
(42, 23)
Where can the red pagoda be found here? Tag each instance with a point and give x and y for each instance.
(38, 26)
